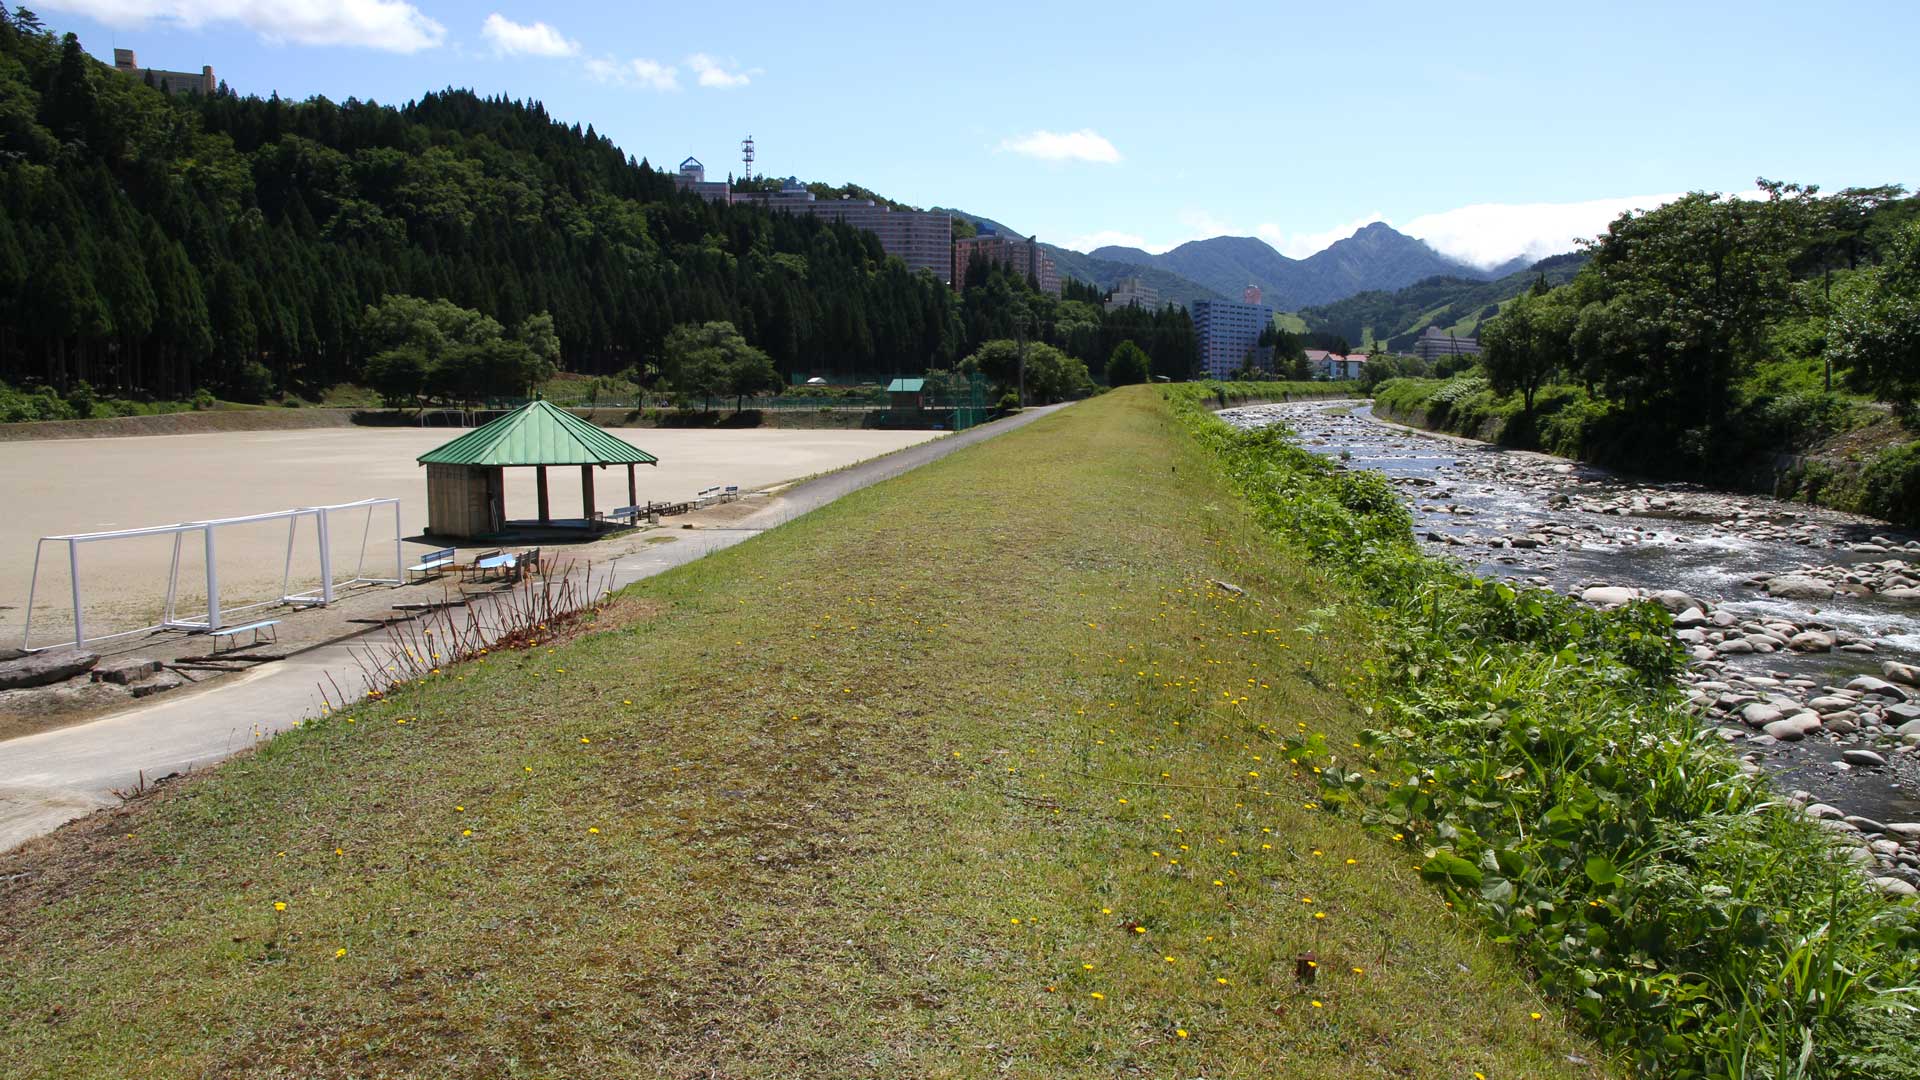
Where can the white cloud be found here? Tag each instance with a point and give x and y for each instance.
(1083, 145)
(1299, 245)
(1104, 238)
(713, 73)
(1488, 234)
(646, 74)
(388, 25)
(510, 38)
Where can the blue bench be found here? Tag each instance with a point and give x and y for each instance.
(229, 633)
(434, 563)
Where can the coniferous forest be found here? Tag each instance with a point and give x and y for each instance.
(156, 245)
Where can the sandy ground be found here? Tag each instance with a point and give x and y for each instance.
(72, 486)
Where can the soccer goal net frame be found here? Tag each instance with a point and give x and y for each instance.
(217, 615)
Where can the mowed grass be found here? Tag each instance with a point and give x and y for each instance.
(972, 773)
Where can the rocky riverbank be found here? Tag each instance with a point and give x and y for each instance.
(1810, 671)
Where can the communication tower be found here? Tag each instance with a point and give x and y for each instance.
(746, 157)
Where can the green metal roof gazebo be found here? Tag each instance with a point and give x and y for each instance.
(466, 493)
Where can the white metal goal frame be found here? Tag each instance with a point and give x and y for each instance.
(217, 615)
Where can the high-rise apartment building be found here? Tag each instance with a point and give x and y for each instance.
(1132, 290)
(1226, 332)
(1024, 256)
(1435, 343)
(922, 240)
(173, 82)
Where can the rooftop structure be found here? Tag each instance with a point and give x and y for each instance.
(1024, 256)
(693, 177)
(173, 82)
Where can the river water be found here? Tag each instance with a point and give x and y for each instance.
(1538, 520)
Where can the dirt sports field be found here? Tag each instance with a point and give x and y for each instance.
(90, 485)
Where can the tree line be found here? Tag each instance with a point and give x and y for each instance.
(1674, 307)
(156, 245)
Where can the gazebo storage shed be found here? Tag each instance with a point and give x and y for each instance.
(466, 478)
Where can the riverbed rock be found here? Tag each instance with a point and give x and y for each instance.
(1867, 684)
(1793, 728)
(1608, 596)
(45, 668)
(1893, 886)
(1735, 647)
(1823, 812)
(1810, 641)
(1760, 714)
(1865, 759)
(1830, 703)
(1674, 601)
(1904, 674)
(1691, 618)
(1905, 830)
(1798, 587)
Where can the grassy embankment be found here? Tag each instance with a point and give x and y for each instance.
(1788, 437)
(1541, 756)
(971, 773)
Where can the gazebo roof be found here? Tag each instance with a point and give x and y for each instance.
(538, 433)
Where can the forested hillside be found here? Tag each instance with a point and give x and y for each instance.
(156, 245)
(1393, 320)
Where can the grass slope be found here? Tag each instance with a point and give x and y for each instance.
(969, 773)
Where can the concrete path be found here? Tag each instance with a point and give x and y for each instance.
(53, 777)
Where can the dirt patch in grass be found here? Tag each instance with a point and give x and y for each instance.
(972, 772)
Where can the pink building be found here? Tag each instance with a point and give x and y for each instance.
(1022, 255)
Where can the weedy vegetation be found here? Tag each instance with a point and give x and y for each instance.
(1545, 769)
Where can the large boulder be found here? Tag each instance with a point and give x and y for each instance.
(1793, 728)
(1674, 601)
(1905, 674)
(1609, 596)
(1798, 587)
(1810, 641)
(45, 668)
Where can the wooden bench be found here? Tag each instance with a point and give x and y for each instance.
(434, 563)
(229, 633)
(632, 514)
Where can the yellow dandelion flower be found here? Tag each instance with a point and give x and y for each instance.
(593, 830)
(338, 953)
(1535, 1016)
(1222, 982)
(1317, 1005)
(1182, 1032)
(279, 905)
(1098, 996)
(1016, 922)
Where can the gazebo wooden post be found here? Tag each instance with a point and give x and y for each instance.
(541, 474)
(633, 492)
(586, 492)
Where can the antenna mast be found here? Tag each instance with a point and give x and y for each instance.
(746, 158)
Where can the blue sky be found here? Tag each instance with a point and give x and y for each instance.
(1488, 129)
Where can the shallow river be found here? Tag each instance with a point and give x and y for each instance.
(1548, 522)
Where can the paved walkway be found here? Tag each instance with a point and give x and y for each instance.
(53, 777)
